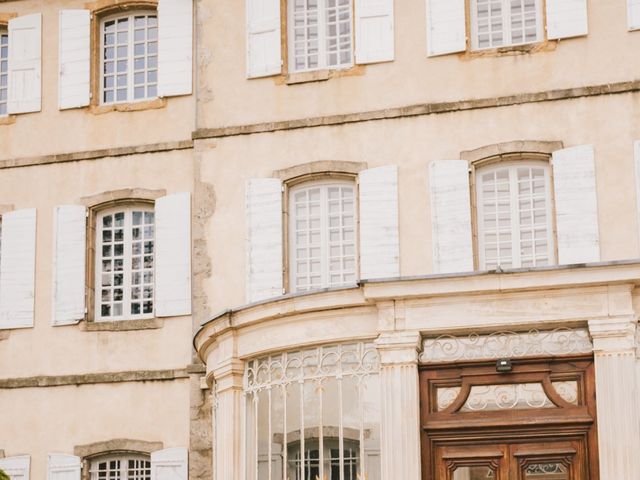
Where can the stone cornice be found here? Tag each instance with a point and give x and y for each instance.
(420, 110)
(554, 281)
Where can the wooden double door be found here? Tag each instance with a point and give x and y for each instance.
(536, 422)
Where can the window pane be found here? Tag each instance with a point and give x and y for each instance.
(514, 216)
(323, 225)
(4, 71)
(130, 49)
(321, 35)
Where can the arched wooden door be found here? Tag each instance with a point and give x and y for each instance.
(536, 422)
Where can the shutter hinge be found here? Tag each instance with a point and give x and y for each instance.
(282, 187)
(86, 213)
(283, 291)
(86, 310)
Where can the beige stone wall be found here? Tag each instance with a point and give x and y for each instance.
(55, 420)
(412, 144)
(85, 128)
(606, 55)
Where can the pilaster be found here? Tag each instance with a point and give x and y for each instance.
(616, 391)
(400, 427)
(227, 419)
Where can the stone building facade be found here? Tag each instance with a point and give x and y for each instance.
(335, 239)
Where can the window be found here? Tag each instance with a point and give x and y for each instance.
(322, 235)
(121, 467)
(499, 23)
(125, 263)
(322, 401)
(320, 34)
(4, 70)
(514, 215)
(129, 61)
(330, 460)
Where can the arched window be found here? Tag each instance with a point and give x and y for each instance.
(322, 235)
(4, 69)
(121, 466)
(514, 208)
(125, 258)
(129, 57)
(314, 413)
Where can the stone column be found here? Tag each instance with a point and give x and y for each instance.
(616, 393)
(400, 430)
(227, 420)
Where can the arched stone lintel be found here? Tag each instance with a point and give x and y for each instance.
(116, 445)
(509, 149)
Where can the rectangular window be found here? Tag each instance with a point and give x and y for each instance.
(121, 467)
(499, 23)
(320, 34)
(323, 236)
(4, 71)
(514, 216)
(125, 264)
(129, 62)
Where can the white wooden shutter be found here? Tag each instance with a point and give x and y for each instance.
(574, 181)
(169, 464)
(451, 216)
(379, 238)
(173, 255)
(264, 51)
(633, 14)
(63, 467)
(25, 64)
(264, 239)
(17, 268)
(374, 31)
(566, 18)
(175, 47)
(446, 27)
(16, 467)
(69, 262)
(74, 59)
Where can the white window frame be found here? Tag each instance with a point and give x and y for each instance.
(4, 33)
(512, 168)
(123, 458)
(328, 460)
(322, 42)
(127, 270)
(324, 185)
(506, 24)
(130, 58)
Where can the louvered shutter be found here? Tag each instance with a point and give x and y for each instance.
(173, 255)
(379, 238)
(264, 55)
(69, 254)
(169, 464)
(566, 18)
(446, 27)
(17, 269)
(25, 59)
(264, 239)
(374, 31)
(16, 467)
(175, 47)
(574, 182)
(63, 467)
(633, 14)
(451, 216)
(74, 59)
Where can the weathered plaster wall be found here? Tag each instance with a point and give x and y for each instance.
(78, 129)
(414, 142)
(55, 420)
(607, 54)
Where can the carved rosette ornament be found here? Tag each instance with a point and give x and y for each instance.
(507, 344)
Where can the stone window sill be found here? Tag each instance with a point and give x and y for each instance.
(7, 119)
(319, 75)
(4, 335)
(123, 325)
(129, 107)
(527, 48)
